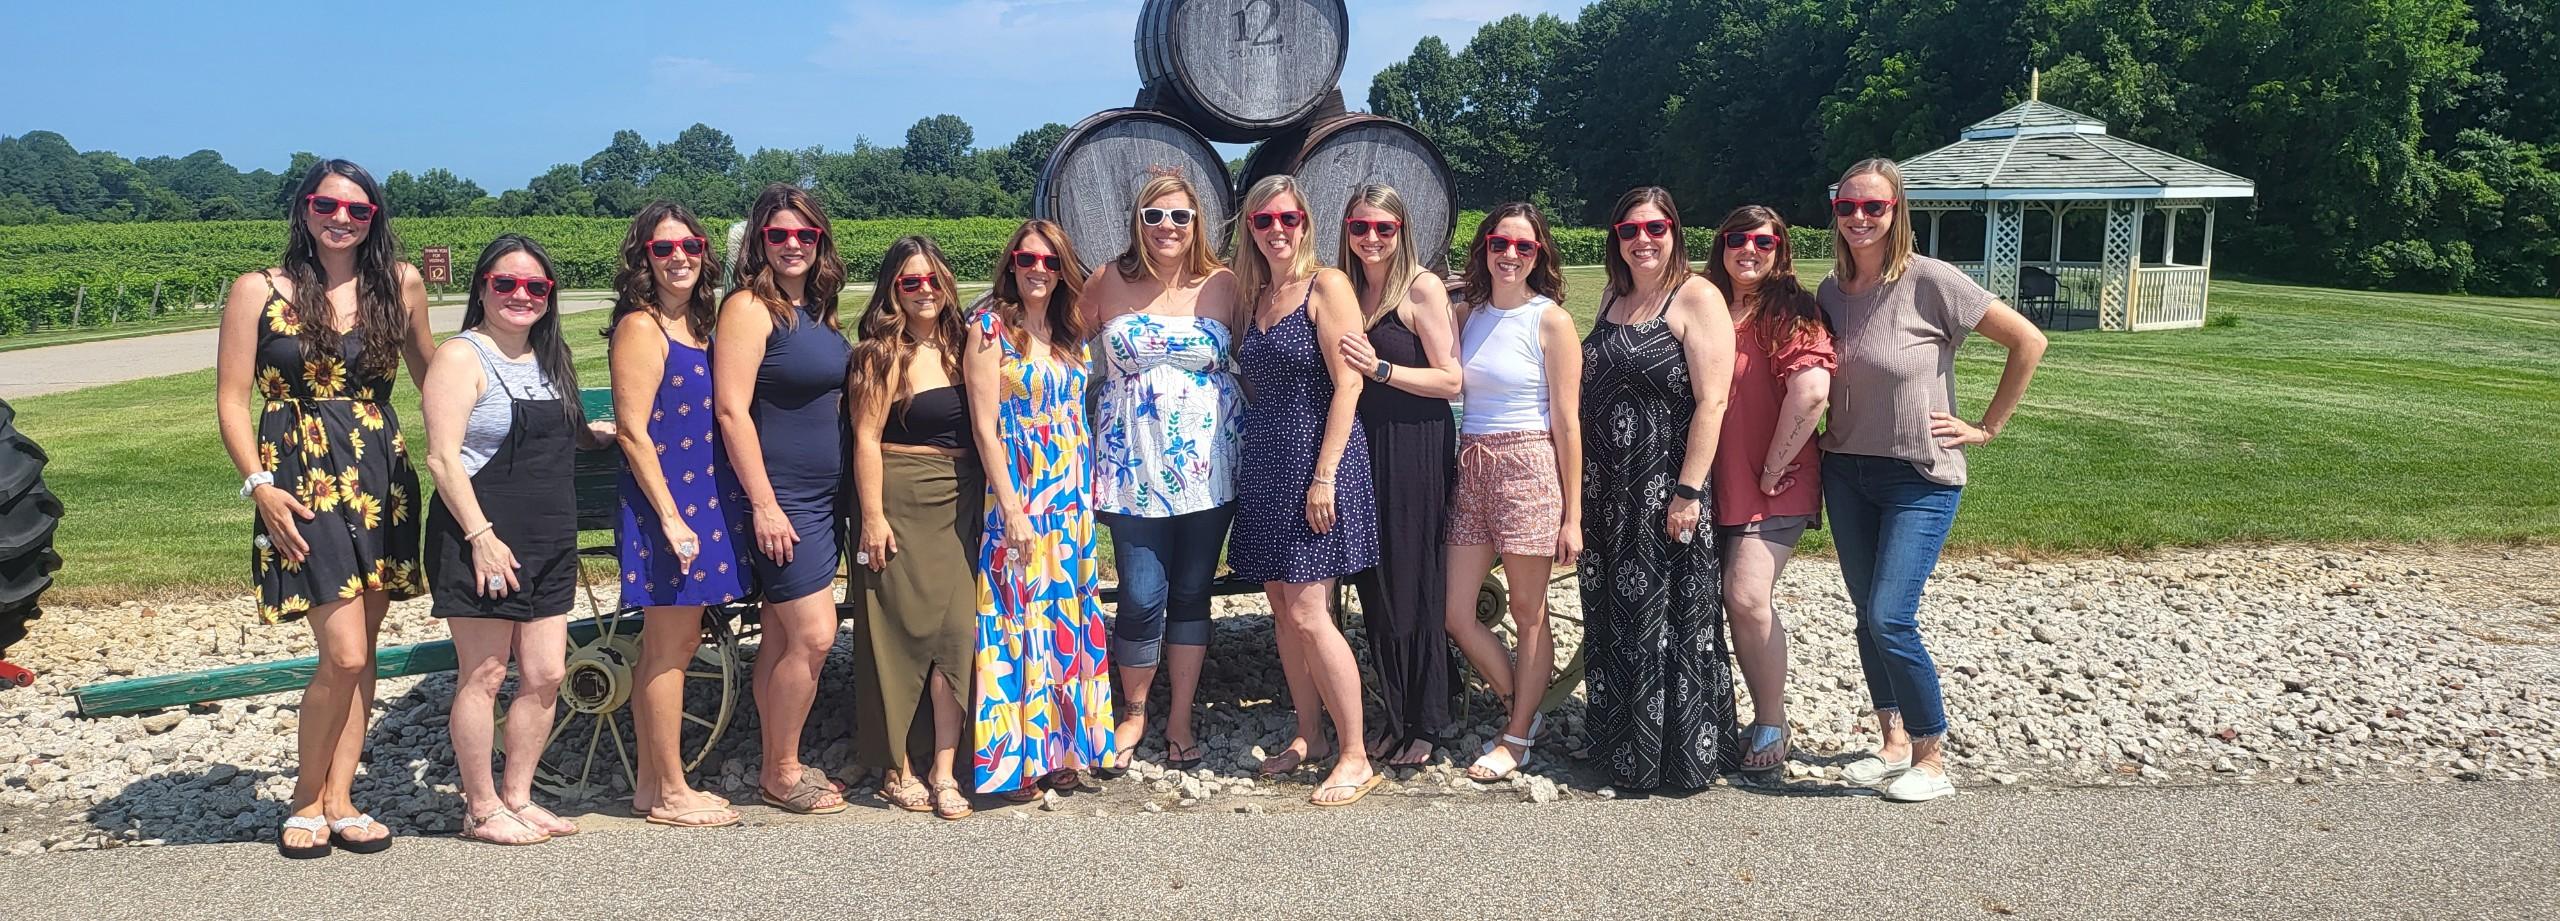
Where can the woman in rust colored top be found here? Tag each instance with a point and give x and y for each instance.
(1767, 478)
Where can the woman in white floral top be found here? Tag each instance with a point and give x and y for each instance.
(1165, 449)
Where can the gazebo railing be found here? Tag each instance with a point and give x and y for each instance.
(2167, 297)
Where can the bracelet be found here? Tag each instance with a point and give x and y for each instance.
(249, 486)
(474, 534)
(1686, 491)
(1382, 371)
(1324, 481)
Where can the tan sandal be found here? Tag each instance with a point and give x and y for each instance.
(705, 817)
(1359, 791)
(949, 802)
(804, 796)
(535, 814)
(911, 796)
(474, 828)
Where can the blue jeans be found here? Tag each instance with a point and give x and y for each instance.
(1166, 565)
(1889, 523)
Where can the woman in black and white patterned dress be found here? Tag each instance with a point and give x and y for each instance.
(1656, 368)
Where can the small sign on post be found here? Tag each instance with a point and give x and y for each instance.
(437, 263)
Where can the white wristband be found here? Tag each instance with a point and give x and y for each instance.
(255, 480)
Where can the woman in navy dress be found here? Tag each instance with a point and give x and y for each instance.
(778, 387)
(1304, 512)
(683, 515)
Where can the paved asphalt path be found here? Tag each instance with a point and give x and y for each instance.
(58, 368)
(2363, 852)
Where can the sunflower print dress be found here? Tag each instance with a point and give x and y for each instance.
(1043, 689)
(332, 441)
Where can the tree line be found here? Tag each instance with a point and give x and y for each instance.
(2409, 144)
(938, 172)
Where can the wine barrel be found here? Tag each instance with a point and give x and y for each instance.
(1333, 157)
(1242, 70)
(1091, 181)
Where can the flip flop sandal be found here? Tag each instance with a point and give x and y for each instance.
(533, 808)
(337, 835)
(805, 795)
(1359, 791)
(319, 829)
(1179, 763)
(1027, 793)
(921, 799)
(1063, 780)
(945, 808)
(1305, 760)
(720, 817)
(471, 828)
(1763, 737)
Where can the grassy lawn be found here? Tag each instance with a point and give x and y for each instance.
(2322, 415)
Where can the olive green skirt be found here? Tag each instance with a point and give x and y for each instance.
(920, 611)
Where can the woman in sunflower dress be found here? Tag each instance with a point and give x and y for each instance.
(1043, 696)
(336, 536)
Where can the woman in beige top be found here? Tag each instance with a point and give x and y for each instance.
(1893, 453)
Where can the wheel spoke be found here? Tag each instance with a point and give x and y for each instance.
(624, 752)
(698, 720)
(712, 676)
(587, 768)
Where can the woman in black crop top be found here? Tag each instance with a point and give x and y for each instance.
(921, 495)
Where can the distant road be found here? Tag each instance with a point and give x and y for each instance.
(80, 365)
(2275, 852)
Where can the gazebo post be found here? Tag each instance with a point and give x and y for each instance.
(2054, 262)
(2120, 272)
(2204, 303)
(2169, 236)
(2002, 236)
(1934, 215)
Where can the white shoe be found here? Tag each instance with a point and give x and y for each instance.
(1872, 770)
(1918, 787)
(1537, 726)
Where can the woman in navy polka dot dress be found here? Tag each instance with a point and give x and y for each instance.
(1305, 515)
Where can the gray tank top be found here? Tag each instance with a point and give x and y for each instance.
(508, 382)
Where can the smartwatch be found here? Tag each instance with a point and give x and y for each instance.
(1686, 491)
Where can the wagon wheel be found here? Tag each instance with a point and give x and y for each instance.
(1493, 605)
(591, 753)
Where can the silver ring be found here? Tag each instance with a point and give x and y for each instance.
(862, 557)
(497, 582)
(263, 543)
(687, 548)
(1686, 535)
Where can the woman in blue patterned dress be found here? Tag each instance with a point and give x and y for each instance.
(1165, 451)
(1304, 512)
(1043, 696)
(681, 506)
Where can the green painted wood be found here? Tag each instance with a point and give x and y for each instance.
(142, 695)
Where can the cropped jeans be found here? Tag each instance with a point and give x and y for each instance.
(1889, 523)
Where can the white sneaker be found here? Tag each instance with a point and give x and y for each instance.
(1872, 770)
(1919, 787)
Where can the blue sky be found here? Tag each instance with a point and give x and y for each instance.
(500, 91)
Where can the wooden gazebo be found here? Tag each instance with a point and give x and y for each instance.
(2041, 157)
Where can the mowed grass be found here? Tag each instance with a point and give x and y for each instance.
(2321, 415)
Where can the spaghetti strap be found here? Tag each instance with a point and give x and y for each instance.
(488, 369)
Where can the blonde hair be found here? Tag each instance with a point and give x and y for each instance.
(1400, 264)
(1134, 262)
(1897, 239)
(1253, 271)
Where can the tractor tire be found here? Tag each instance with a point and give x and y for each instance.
(29, 513)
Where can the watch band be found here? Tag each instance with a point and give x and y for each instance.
(249, 486)
(1382, 371)
(1686, 491)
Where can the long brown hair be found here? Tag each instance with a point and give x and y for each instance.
(635, 283)
(381, 319)
(1135, 263)
(826, 272)
(1897, 239)
(890, 335)
(1780, 311)
(1622, 276)
(550, 349)
(1066, 313)
(1400, 265)
(1546, 279)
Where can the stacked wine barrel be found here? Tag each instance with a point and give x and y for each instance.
(1239, 71)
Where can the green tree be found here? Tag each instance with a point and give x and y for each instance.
(697, 151)
(938, 145)
(627, 158)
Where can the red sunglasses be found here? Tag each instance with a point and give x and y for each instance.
(1498, 244)
(1023, 259)
(1360, 228)
(357, 211)
(1874, 207)
(808, 236)
(1763, 242)
(913, 283)
(535, 285)
(666, 249)
(1655, 229)
(1262, 219)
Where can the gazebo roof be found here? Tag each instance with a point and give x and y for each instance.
(2043, 152)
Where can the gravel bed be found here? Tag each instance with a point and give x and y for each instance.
(2232, 665)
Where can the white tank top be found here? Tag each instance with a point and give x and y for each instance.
(1506, 368)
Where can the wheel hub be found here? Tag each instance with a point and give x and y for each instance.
(598, 679)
